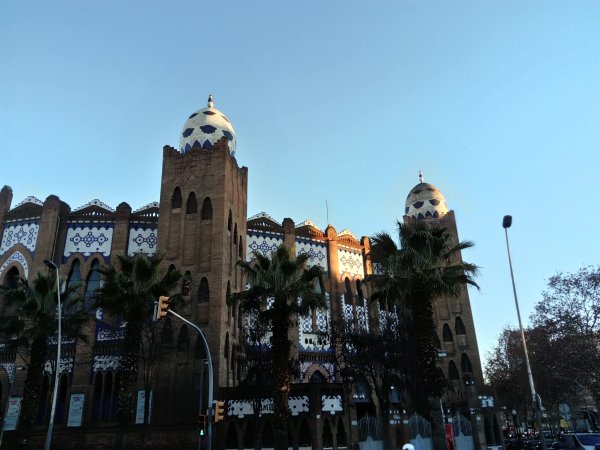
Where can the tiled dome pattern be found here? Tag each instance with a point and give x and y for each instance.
(204, 128)
(425, 201)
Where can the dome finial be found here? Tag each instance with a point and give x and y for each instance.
(421, 179)
(210, 101)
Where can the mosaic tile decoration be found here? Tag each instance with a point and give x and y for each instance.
(65, 366)
(242, 408)
(106, 362)
(425, 201)
(362, 315)
(331, 403)
(264, 243)
(316, 251)
(329, 368)
(204, 128)
(95, 202)
(142, 240)
(351, 262)
(30, 199)
(24, 232)
(19, 258)
(10, 369)
(88, 239)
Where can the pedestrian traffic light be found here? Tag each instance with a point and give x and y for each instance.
(219, 410)
(202, 424)
(163, 307)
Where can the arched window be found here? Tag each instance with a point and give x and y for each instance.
(199, 350)
(452, 371)
(207, 210)
(44, 402)
(348, 291)
(359, 290)
(235, 235)
(226, 349)
(241, 250)
(465, 364)
(107, 396)
(61, 399)
(317, 377)
(183, 341)
(176, 199)
(73, 284)
(203, 291)
(229, 221)
(447, 333)
(166, 334)
(192, 204)
(12, 278)
(97, 398)
(92, 285)
(327, 435)
(459, 326)
(186, 284)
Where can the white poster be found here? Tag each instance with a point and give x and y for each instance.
(76, 410)
(139, 413)
(12, 413)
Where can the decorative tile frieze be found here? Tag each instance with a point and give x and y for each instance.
(65, 366)
(331, 403)
(142, 240)
(264, 243)
(19, 258)
(106, 334)
(243, 408)
(10, 369)
(22, 232)
(351, 263)
(88, 239)
(145, 207)
(316, 251)
(97, 203)
(106, 362)
(30, 199)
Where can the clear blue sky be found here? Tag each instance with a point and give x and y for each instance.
(496, 101)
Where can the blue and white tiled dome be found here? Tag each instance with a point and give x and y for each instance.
(425, 201)
(205, 127)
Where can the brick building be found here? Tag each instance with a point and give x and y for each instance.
(200, 224)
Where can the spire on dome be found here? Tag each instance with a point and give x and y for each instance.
(421, 178)
(210, 101)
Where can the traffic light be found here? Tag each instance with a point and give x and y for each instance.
(163, 307)
(202, 424)
(219, 410)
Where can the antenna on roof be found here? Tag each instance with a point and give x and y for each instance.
(421, 179)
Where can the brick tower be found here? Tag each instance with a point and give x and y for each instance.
(202, 227)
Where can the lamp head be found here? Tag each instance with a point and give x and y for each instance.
(50, 264)
(507, 222)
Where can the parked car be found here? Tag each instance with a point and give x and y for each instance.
(589, 441)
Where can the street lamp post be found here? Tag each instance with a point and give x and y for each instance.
(537, 401)
(48, 442)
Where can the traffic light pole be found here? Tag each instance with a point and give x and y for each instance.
(210, 383)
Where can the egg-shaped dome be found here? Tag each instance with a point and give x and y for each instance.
(204, 128)
(425, 201)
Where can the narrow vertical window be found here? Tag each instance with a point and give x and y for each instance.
(203, 291)
(176, 199)
(207, 210)
(92, 285)
(192, 204)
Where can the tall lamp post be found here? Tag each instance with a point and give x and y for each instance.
(537, 401)
(48, 442)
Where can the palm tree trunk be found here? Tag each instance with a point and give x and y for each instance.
(281, 357)
(33, 382)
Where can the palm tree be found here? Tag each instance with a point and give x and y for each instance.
(425, 266)
(28, 330)
(129, 291)
(281, 287)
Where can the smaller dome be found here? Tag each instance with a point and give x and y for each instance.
(205, 128)
(425, 201)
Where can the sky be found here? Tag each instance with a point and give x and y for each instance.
(337, 102)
